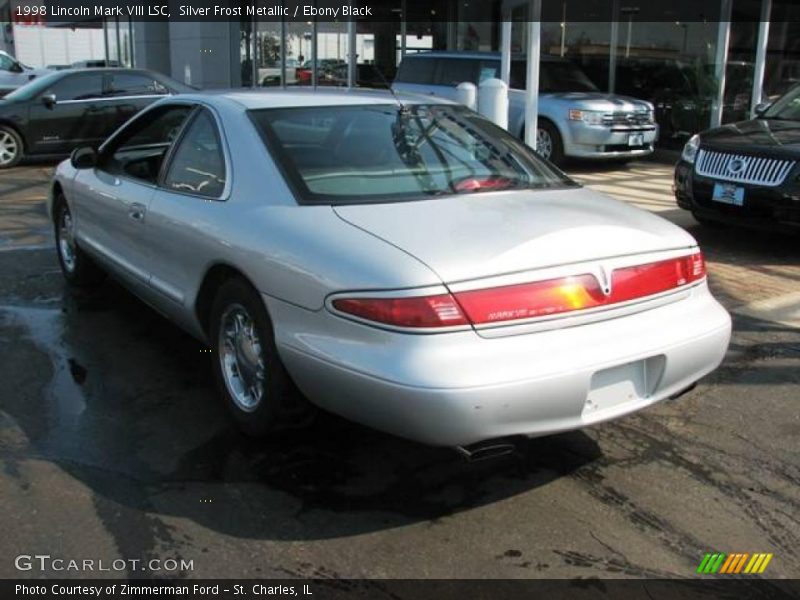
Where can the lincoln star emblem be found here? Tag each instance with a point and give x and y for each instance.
(736, 165)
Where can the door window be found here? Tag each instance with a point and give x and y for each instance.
(77, 87)
(138, 151)
(453, 71)
(134, 84)
(198, 165)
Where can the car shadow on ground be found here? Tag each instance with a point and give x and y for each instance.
(131, 412)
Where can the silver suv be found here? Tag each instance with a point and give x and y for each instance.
(575, 118)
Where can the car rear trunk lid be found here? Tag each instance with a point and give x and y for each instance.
(469, 237)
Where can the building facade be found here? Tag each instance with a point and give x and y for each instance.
(697, 72)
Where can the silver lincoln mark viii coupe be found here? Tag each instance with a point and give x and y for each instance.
(396, 260)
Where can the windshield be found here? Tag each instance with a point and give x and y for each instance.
(34, 87)
(554, 77)
(374, 153)
(787, 107)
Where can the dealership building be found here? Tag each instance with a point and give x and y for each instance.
(700, 62)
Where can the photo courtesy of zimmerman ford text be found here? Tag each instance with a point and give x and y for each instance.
(392, 299)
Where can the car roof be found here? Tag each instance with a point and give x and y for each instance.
(290, 98)
(472, 55)
(106, 70)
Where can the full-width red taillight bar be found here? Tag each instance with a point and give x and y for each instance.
(527, 300)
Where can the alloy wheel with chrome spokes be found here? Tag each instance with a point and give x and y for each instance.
(248, 369)
(10, 147)
(79, 268)
(548, 142)
(242, 358)
(544, 143)
(66, 239)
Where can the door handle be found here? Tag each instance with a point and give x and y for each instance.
(136, 211)
(93, 108)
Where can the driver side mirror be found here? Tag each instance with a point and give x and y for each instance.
(761, 108)
(83, 157)
(16, 68)
(49, 100)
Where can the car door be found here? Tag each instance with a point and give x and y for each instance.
(126, 93)
(76, 117)
(112, 200)
(188, 202)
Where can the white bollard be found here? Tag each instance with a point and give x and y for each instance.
(493, 101)
(467, 94)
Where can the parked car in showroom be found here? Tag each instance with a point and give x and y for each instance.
(576, 119)
(746, 173)
(406, 264)
(14, 74)
(56, 112)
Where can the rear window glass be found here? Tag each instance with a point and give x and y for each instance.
(375, 153)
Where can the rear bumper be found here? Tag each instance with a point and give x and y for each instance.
(459, 388)
(589, 141)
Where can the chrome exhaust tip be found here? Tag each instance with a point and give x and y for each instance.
(487, 449)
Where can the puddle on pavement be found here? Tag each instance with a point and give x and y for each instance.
(168, 433)
(45, 328)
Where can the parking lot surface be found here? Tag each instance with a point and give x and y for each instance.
(113, 445)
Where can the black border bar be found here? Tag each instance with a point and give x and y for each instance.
(323, 589)
(422, 11)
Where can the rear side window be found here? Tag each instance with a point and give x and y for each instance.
(453, 71)
(78, 87)
(198, 165)
(416, 70)
(133, 84)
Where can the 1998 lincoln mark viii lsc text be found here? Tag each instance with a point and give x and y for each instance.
(405, 264)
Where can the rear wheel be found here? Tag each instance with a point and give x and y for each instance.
(248, 371)
(78, 268)
(11, 149)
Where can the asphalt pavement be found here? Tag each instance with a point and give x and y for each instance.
(114, 447)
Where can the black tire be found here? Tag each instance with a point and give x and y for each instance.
(556, 154)
(12, 150)
(281, 405)
(77, 267)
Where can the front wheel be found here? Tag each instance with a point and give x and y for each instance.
(548, 143)
(11, 149)
(78, 268)
(248, 371)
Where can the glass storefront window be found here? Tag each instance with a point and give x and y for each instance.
(268, 56)
(246, 51)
